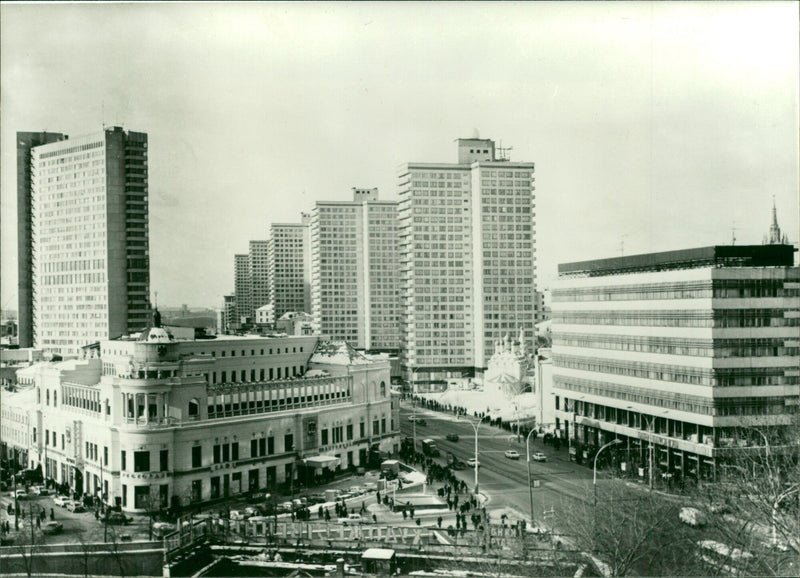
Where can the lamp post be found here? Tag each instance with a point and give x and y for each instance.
(594, 475)
(528, 455)
(475, 426)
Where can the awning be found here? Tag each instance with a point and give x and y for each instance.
(322, 461)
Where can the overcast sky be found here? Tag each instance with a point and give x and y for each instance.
(657, 124)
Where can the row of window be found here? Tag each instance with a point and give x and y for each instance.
(718, 288)
(719, 348)
(681, 318)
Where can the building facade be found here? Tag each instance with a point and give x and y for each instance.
(680, 355)
(289, 262)
(26, 141)
(259, 273)
(354, 258)
(467, 264)
(89, 239)
(153, 422)
(243, 290)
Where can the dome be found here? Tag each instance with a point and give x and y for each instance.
(156, 335)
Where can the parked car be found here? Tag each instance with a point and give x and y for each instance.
(512, 454)
(451, 437)
(285, 507)
(693, 517)
(357, 490)
(20, 494)
(538, 457)
(75, 507)
(412, 418)
(161, 529)
(61, 500)
(316, 499)
(53, 528)
(250, 511)
(41, 491)
(117, 518)
(472, 461)
(352, 519)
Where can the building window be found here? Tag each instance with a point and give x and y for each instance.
(235, 451)
(105, 455)
(124, 461)
(349, 431)
(383, 389)
(217, 453)
(215, 487)
(141, 497)
(197, 456)
(288, 443)
(124, 493)
(197, 490)
(270, 445)
(164, 460)
(324, 440)
(141, 462)
(194, 408)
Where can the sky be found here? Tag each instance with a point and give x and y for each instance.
(653, 126)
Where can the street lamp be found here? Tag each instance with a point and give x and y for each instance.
(594, 476)
(528, 455)
(475, 426)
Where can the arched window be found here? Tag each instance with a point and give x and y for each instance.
(383, 389)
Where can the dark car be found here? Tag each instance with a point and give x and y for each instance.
(52, 528)
(421, 421)
(451, 437)
(117, 518)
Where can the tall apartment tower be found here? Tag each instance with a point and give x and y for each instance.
(354, 258)
(242, 289)
(682, 355)
(90, 269)
(289, 263)
(467, 260)
(26, 141)
(259, 273)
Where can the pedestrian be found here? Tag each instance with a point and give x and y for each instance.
(439, 521)
(52, 514)
(374, 518)
(378, 495)
(38, 522)
(405, 514)
(418, 521)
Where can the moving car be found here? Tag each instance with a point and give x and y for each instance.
(451, 437)
(61, 501)
(41, 491)
(421, 421)
(538, 457)
(75, 507)
(53, 528)
(412, 418)
(237, 515)
(512, 454)
(472, 461)
(352, 519)
(20, 494)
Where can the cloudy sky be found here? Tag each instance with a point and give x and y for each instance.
(656, 125)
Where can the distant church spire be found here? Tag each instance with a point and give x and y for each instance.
(774, 236)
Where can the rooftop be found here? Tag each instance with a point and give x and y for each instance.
(714, 256)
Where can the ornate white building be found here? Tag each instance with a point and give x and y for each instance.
(510, 370)
(152, 420)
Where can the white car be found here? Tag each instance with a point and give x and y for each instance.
(20, 494)
(538, 457)
(693, 517)
(352, 519)
(41, 491)
(472, 461)
(61, 501)
(237, 515)
(412, 418)
(512, 454)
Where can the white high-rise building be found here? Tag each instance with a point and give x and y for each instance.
(289, 263)
(354, 257)
(467, 260)
(89, 239)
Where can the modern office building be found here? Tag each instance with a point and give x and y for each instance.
(152, 421)
(354, 259)
(243, 290)
(468, 260)
(259, 273)
(89, 260)
(26, 141)
(289, 263)
(681, 355)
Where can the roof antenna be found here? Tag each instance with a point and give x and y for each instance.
(733, 233)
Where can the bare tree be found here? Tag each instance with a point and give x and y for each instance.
(630, 531)
(755, 505)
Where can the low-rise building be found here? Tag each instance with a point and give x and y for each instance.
(154, 422)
